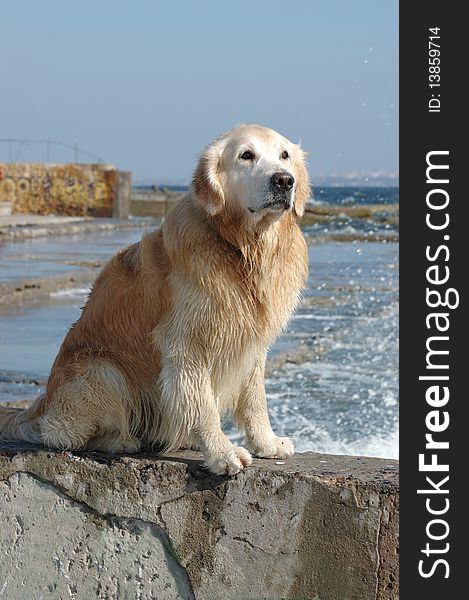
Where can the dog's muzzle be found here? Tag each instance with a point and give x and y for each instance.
(282, 181)
(280, 193)
(281, 184)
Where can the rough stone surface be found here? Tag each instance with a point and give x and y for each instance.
(66, 189)
(88, 555)
(121, 207)
(90, 525)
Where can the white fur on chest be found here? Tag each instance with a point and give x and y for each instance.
(229, 378)
(201, 332)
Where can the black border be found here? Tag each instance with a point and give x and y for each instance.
(421, 132)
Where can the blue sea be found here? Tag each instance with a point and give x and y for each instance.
(347, 196)
(344, 196)
(332, 377)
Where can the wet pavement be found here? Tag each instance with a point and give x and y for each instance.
(45, 256)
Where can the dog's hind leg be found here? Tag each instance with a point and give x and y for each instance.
(113, 442)
(92, 410)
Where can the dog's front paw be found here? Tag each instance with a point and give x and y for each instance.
(274, 447)
(230, 462)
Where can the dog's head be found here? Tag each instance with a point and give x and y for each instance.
(253, 170)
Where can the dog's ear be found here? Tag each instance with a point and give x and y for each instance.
(206, 188)
(302, 188)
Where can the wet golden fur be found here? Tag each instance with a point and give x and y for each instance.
(176, 328)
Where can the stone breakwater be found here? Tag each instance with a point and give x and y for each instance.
(90, 525)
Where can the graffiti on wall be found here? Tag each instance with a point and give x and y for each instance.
(58, 189)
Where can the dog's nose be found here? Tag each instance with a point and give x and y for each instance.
(282, 181)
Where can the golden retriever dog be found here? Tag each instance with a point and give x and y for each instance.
(176, 328)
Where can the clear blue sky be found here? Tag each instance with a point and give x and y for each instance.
(146, 84)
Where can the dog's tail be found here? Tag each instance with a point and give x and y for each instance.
(20, 424)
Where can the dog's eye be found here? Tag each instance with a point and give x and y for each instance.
(248, 155)
(285, 155)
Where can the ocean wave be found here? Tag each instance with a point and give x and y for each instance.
(382, 445)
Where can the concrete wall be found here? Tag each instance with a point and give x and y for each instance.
(69, 189)
(94, 526)
(121, 206)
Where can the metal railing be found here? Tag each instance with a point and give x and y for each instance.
(15, 147)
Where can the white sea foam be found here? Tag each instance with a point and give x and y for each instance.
(379, 445)
(311, 438)
(70, 293)
(298, 317)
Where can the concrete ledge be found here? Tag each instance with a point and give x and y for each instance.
(89, 525)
